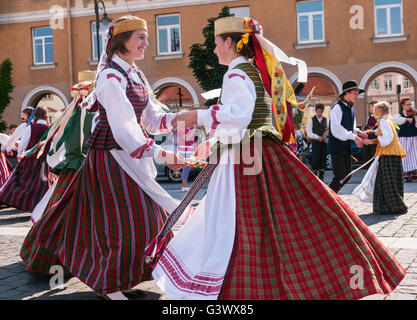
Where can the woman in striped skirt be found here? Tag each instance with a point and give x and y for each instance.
(68, 151)
(31, 179)
(113, 206)
(407, 121)
(267, 228)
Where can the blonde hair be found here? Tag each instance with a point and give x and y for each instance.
(384, 105)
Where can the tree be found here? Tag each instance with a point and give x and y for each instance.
(203, 61)
(6, 88)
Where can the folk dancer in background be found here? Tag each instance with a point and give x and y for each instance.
(383, 184)
(407, 121)
(342, 131)
(32, 178)
(316, 127)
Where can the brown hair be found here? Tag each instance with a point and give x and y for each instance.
(319, 106)
(117, 43)
(41, 113)
(383, 105)
(247, 49)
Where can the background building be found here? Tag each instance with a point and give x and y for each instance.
(50, 41)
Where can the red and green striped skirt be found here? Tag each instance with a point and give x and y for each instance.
(4, 169)
(98, 230)
(27, 184)
(296, 239)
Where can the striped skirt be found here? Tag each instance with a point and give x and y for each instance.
(27, 184)
(296, 239)
(410, 161)
(4, 169)
(64, 179)
(389, 186)
(99, 229)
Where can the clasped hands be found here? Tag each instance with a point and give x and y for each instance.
(362, 139)
(174, 160)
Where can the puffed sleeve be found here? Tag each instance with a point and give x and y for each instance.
(227, 121)
(398, 119)
(111, 93)
(24, 142)
(17, 134)
(386, 131)
(155, 119)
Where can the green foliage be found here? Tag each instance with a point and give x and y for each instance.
(6, 88)
(204, 62)
(298, 117)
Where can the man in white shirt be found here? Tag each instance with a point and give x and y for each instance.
(341, 131)
(316, 127)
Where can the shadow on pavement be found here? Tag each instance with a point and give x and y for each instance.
(370, 219)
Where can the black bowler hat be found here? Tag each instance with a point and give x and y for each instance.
(350, 85)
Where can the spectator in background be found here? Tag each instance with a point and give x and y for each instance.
(407, 121)
(371, 125)
(316, 127)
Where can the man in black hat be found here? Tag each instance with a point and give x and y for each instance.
(342, 130)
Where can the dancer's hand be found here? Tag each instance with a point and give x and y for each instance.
(359, 142)
(184, 120)
(367, 141)
(362, 134)
(171, 159)
(203, 151)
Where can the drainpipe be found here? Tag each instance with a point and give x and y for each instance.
(70, 68)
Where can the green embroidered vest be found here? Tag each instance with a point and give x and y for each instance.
(262, 116)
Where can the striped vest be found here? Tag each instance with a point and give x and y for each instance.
(102, 137)
(394, 148)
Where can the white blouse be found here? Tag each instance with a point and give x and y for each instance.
(338, 131)
(227, 122)
(111, 93)
(399, 120)
(386, 131)
(24, 142)
(310, 132)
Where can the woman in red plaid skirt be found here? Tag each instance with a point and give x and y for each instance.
(267, 228)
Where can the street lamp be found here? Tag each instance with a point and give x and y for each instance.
(106, 20)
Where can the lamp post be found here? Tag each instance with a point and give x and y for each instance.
(106, 20)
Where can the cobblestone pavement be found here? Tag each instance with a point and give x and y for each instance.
(398, 233)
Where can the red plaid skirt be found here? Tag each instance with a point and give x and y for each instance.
(296, 239)
(4, 169)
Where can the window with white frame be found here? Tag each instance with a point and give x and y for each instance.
(43, 49)
(168, 34)
(101, 38)
(310, 21)
(407, 83)
(388, 83)
(240, 11)
(375, 84)
(388, 18)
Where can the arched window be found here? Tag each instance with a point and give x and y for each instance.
(392, 86)
(50, 101)
(175, 97)
(325, 92)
